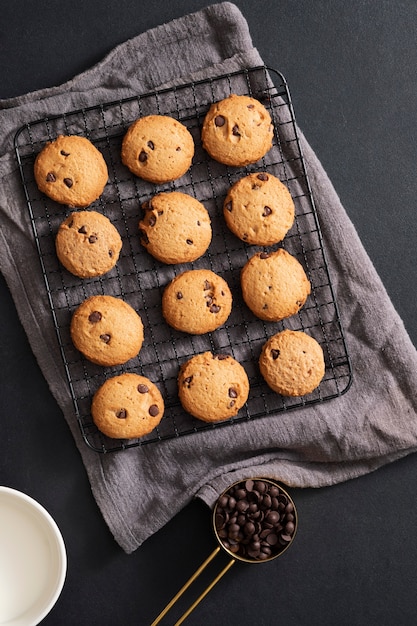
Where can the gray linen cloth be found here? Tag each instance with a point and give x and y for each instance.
(140, 489)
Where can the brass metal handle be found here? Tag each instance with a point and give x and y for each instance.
(189, 583)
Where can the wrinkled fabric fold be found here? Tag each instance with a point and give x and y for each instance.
(374, 423)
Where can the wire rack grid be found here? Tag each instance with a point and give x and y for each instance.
(140, 280)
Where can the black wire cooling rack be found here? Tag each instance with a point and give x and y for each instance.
(139, 279)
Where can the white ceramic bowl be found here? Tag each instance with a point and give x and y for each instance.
(33, 560)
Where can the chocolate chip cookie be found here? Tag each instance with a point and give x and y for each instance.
(176, 227)
(158, 148)
(259, 209)
(71, 170)
(197, 302)
(88, 244)
(237, 131)
(212, 387)
(292, 363)
(107, 330)
(274, 285)
(127, 406)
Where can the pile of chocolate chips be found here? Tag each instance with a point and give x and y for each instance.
(255, 520)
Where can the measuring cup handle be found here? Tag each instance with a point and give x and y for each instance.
(205, 592)
(189, 583)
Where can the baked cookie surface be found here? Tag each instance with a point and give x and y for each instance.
(292, 363)
(274, 285)
(107, 330)
(88, 244)
(237, 130)
(176, 227)
(259, 209)
(71, 171)
(212, 387)
(127, 406)
(197, 302)
(157, 148)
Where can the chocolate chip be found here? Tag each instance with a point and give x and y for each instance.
(153, 410)
(263, 176)
(275, 353)
(229, 206)
(151, 145)
(207, 285)
(143, 156)
(50, 177)
(264, 255)
(178, 149)
(214, 308)
(105, 338)
(68, 182)
(142, 388)
(121, 414)
(232, 393)
(189, 242)
(219, 120)
(235, 131)
(143, 236)
(221, 357)
(65, 154)
(92, 238)
(110, 253)
(267, 211)
(179, 295)
(83, 230)
(94, 317)
(152, 220)
(187, 381)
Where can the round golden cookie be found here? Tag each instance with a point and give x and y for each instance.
(274, 285)
(158, 148)
(212, 387)
(292, 363)
(71, 170)
(237, 131)
(176, 227)
(87, 244)
(259, 209)
(127, 406)
(197, 302)
(106, 330)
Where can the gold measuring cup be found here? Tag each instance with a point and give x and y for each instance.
(254, 521)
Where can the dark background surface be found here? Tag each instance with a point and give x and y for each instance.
(351, 69)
